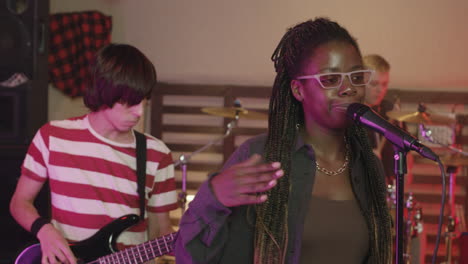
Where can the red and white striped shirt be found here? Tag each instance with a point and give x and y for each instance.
(93, 179)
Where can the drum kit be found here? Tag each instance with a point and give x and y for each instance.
(458, 158)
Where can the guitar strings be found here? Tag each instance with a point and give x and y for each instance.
(141, 252)
(144, 252)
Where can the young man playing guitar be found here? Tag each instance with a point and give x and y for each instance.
(90, 163)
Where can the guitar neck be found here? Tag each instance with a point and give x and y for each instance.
(142, 252)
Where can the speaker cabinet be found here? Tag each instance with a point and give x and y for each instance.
(24, 38)
(23, 49)
(24, 111)
(13, 238)
(23, 108)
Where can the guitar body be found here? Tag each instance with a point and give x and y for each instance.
(100, 244)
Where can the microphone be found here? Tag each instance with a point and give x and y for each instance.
(362, 114)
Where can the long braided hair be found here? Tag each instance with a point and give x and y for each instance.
(285, 113)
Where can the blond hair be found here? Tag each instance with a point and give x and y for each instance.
(376, 62)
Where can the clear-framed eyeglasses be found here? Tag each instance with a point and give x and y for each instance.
(334, 80)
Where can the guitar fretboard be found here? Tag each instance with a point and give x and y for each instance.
(141, 253)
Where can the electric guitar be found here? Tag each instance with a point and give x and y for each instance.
(101, 247)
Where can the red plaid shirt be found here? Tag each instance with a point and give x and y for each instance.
(74, 40)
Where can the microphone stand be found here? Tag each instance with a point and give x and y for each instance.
(400, 170)
(184, 159)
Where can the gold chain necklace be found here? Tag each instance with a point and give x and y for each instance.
(338, 171)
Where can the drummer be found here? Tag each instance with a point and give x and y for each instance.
(375, 94)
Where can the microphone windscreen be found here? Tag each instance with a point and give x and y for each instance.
(355, 110)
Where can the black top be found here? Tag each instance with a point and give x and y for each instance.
(335, 232)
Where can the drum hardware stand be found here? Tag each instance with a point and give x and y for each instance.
(409, 229)
(449, 236)
(391, 194)
(184, 159)
(450, 233)
(452, 220)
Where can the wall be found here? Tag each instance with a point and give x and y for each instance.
(219, 41)
(60, 105)
(230, 42)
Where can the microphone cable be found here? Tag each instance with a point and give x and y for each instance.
(441, 213)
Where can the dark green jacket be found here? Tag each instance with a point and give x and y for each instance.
(212, 233)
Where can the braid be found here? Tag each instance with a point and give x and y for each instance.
(378, 218)
(285, 113)
(271, 224)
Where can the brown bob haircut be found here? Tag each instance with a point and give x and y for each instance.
(120, 73)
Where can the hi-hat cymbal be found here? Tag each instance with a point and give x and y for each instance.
(231, 112)
(421, 118)
(455, 161)
(450, 160)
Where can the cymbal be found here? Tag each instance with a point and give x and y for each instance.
(454, 160)
(450, 160)
(421, 118)
(231, 112)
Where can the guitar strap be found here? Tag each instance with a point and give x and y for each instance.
(141, 170)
